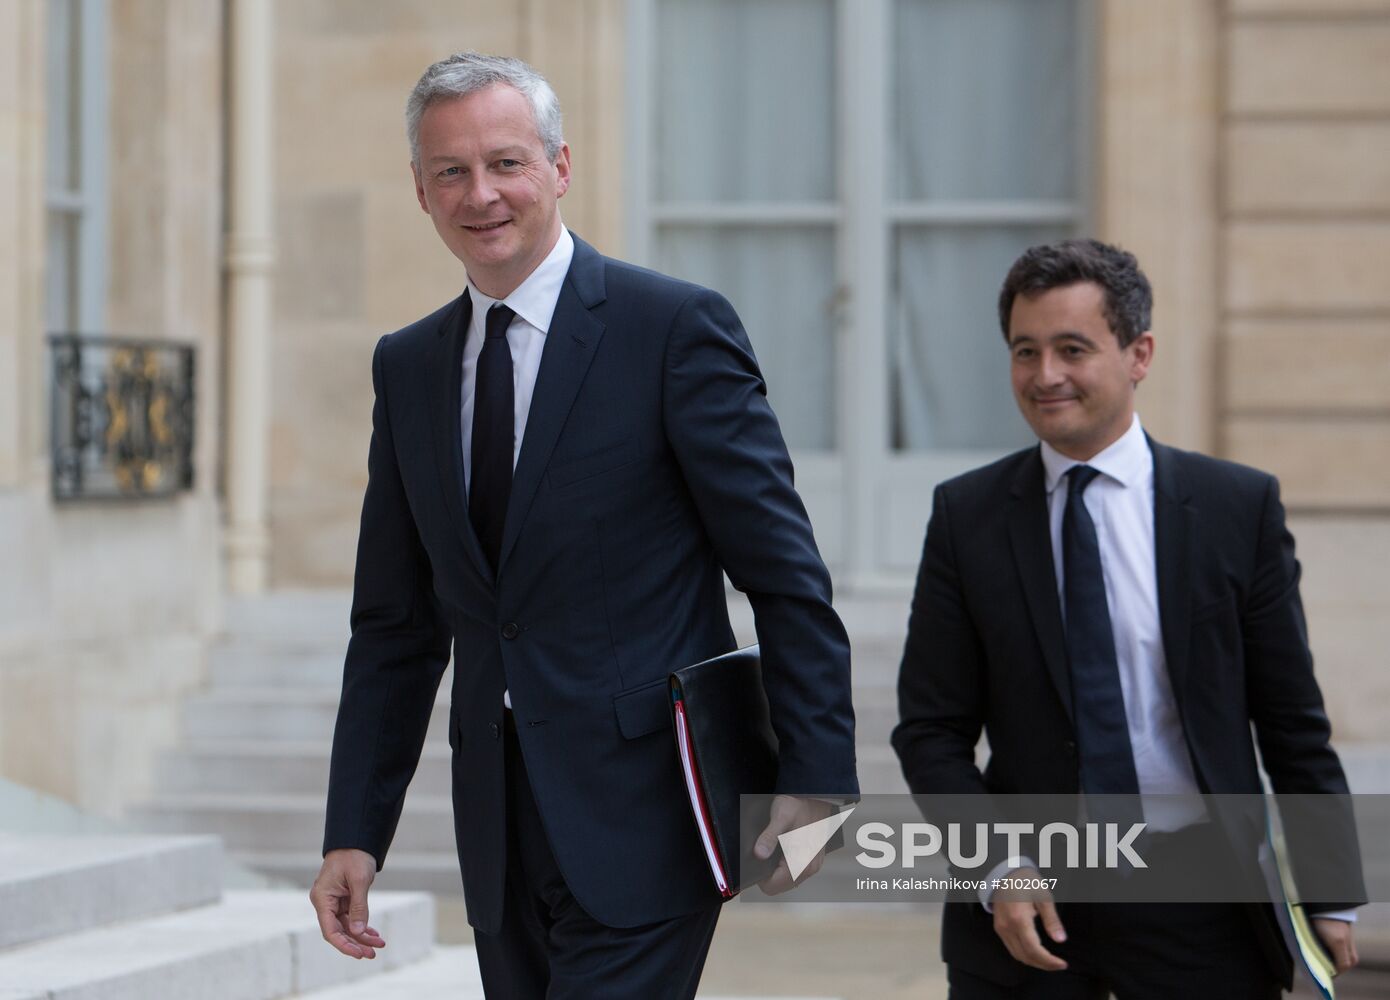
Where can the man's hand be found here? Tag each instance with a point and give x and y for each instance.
(1016, 913)
(1339, 938)
(789, 812)
(339, 896)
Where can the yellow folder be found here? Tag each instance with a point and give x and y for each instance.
(1314, 956)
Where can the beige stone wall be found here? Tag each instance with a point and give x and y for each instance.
(21, 261)
(1242, 149)
(22, 530)
(356, 256)
(21, 228)
(1244, 154)
(1306, 248)
(1346, 595)
(105, 607)
(1158, 101)
(1305, 312)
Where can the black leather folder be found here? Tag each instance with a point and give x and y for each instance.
(728, 748)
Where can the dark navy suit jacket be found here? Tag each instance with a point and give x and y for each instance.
(986, 650)
(651, 466)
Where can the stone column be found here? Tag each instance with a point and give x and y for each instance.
(580, 50)
(1159, 113)
(22, 434)
(250, 257)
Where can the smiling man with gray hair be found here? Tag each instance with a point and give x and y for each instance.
(565, 462)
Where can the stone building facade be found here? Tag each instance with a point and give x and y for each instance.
(105, 607)
(1240, 147)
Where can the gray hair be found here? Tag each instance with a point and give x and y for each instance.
(468, 72)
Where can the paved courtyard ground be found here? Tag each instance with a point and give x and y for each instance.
(868, 954)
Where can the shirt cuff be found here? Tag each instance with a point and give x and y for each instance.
(1348, 915)
(986, 890)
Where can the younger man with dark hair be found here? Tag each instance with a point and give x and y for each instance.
(1116, 613)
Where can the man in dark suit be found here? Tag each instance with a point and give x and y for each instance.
(565, 462)
(1114, 614)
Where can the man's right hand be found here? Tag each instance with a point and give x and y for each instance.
(1016, 914)
(339, 896)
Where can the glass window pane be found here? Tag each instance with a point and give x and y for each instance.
(745, 107)
(985, 96)
(781, 282)
(949, 364)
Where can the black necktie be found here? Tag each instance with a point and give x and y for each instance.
(490, 480)
(1107, 759)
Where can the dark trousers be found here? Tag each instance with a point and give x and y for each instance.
(1143, 951)
(549, 948)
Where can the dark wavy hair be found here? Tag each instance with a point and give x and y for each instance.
(1128, 296)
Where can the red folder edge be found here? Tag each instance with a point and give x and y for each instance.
(695, 789)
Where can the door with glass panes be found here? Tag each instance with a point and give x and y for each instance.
(856, 176)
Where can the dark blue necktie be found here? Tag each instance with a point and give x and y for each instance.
(1098, 703)
(490, 479)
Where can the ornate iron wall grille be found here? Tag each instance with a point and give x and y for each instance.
(122, 417)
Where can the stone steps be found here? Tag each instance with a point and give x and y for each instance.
(405, 871)
(56, 885)
(448, 974)
(307, 714)
(243, 663)
(291, 664)
(1367, 767)
(248, 767)
(231, 767)
(302, 626)
(248, 946)
(321, 617)
(269, 822)
(279, 714)
(109, 917)
(879, 771)
(253, 767)
(318, 616)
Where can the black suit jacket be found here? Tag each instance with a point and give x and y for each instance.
(650, 467)
(986, 649)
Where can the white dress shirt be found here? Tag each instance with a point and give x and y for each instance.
(533, 301)
(1121, 503)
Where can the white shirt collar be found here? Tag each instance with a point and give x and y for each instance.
(535, 298)
(1124, 461)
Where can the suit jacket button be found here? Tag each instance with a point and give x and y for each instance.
(1070, 747)
(496, 731)
(510, 630)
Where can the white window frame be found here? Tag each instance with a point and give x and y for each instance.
(863, 489)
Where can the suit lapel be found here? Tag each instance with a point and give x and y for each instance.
(1030, 535)
(445, 380)
(1173, 539)
(570, 345)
